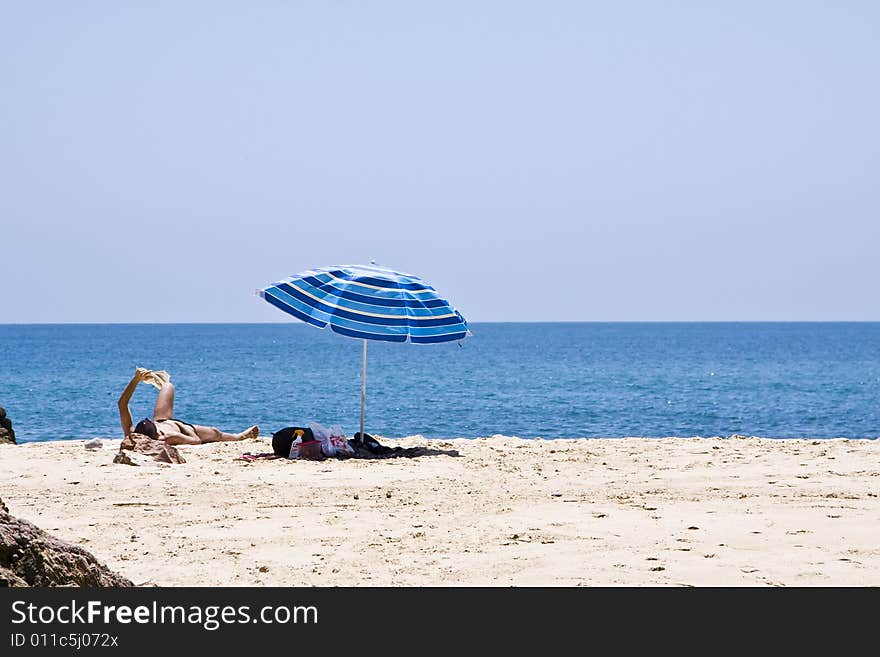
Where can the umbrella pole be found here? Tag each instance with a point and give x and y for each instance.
(363, 389)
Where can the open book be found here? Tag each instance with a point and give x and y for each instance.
(158, 378)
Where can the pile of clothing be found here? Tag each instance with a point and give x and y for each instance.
(314, 442)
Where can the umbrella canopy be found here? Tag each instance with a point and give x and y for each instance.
(370, 303)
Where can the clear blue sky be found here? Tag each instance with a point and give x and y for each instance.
(534, 161)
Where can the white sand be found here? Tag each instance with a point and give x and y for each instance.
(505, 511)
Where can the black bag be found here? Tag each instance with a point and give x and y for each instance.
(283, 439)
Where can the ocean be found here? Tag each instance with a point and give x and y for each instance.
(549, 380)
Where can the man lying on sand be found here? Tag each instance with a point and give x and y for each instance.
(164, 426)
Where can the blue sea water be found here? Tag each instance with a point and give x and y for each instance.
(554, 380)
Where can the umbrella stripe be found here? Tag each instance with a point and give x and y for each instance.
(332, 299)
(438, 338)
(381, 329)
(286, 307)
(367, 336)
(301, 305)
(376, 301)
(301, 311)
(436, 331)
(432, 339)
(371, 318)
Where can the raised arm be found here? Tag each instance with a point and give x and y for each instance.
(125, 397)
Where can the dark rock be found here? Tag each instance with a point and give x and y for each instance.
(7, 435)
(10, 579)
(31, 557)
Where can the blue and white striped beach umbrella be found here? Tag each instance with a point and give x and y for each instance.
(370, 303)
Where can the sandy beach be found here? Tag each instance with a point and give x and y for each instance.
(496, 511)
